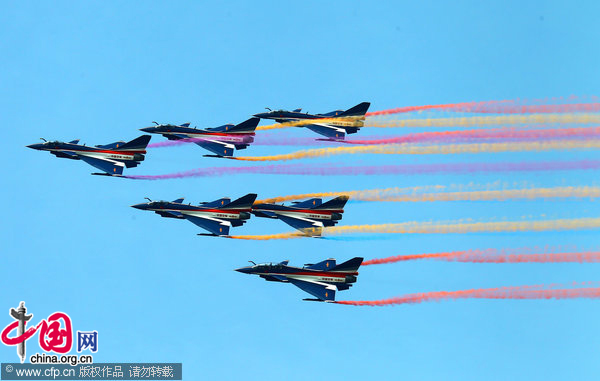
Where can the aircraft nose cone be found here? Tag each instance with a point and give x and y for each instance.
(148, 129)
(261, 115)
(245, 270)
(34, 146)
(140, 206)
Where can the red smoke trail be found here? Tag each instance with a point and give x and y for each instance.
(518, 292)
(495, 256)
(415, 169)
(499, 107)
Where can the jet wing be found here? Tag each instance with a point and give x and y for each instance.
(111, 167)
(65, 154)
(323, 291)
(274, 278)
(300, 223)
(217, 147)
(327, 130)
(169, 214)
(215, 226)
(175, 136)
(264, 213)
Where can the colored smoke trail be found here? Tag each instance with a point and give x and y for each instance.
(362, 195)
(496, 134)
(467, 227)
(498, 107)
(472, 121)
(268, 237)
(495, 256)
(515, 292)
(260, 141)
(407, 149)
(372, 170)
(446, 228)
(438, 136)
(173, 143)
(414, 195)
(465, 121)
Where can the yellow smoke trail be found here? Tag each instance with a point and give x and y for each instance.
(441, 149)
(469, 227)
(445, 228)
(399, 194)
(472, 121)
(362, 195)
(267, 237)
(467, 121)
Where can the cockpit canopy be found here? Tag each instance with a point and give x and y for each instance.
(160, 203)
(268, 266)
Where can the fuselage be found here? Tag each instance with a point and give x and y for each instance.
(177, 210)
(74, 151)
(282, 116)
(273, 210)
(223, 135)
(282, 273)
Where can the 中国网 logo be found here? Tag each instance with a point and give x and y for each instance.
(55, 334)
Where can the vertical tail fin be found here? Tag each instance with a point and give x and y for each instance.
(246, 126)
(243, 202)
(351, 265)
(336, 203)
(137, 143)
(358, 110)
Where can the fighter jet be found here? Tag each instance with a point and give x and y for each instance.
(215, 216)
(321, 280)
(309, 216)
(338, 123)
(220, 140)
(110, 158)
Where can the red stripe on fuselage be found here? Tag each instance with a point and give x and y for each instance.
(237, 134)
(129, 153)
(227, 211)
(305, 211)
(115, 152)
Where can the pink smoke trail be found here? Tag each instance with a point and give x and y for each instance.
(495, 256)
(438, 136)
(173, 143)
(499, 107)
(409, 169)
(260, 141)
(516, 292)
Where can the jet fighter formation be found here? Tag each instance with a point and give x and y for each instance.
(321, 280)
(222, 141)
(309, 216)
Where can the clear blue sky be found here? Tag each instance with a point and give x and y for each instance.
(155, 291)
